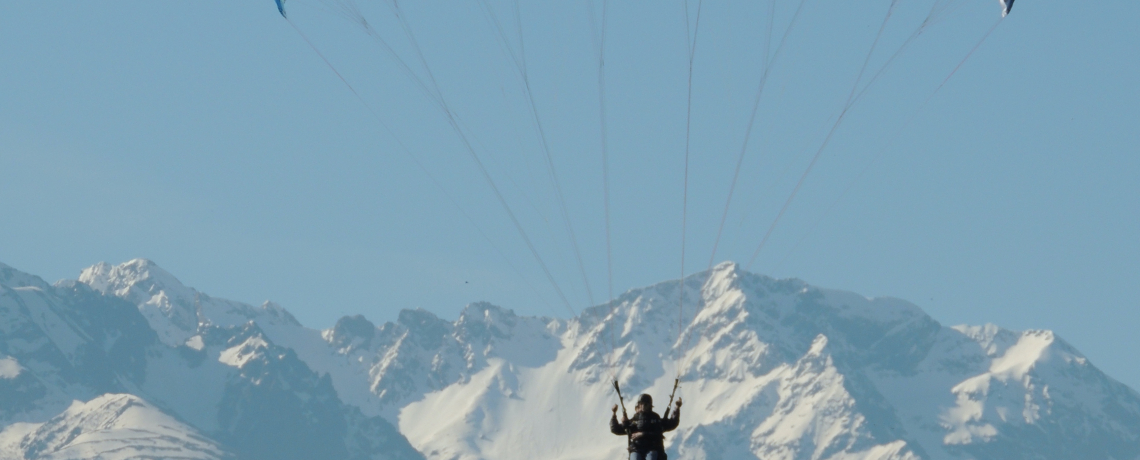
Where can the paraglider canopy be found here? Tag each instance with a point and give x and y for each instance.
(1006, 5)
(281, 7)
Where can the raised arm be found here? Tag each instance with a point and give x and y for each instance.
(674, 419)
(616, 427)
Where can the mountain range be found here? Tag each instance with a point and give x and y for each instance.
(126, 362)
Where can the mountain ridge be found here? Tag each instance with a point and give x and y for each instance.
(773, 369)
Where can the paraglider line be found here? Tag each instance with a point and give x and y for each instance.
(799, 184)
(770, 59)
(748, 131)
(971, 53)
(419, 53)
(826, 140)
(692, 49)
(323, 58)
(830, 134)
(871, 52)
(451, 118)
(416, 161)
(525, 77)
(368, 30)
(933, 17)
(604, 135)
(437, 97)
(842, 195)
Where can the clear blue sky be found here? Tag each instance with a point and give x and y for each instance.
(209, 137)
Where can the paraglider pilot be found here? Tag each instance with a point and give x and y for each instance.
(646, 430)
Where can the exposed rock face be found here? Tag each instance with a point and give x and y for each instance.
(351, 333)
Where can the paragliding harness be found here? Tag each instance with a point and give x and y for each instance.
(625, 416)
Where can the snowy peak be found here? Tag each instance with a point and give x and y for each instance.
(426, 329)
(350, 333)
(738, 323)
(994, 340)
(137, 280)
(1033, 379)
(111, 427)
(174, 310)
(817, 416)
(486, 331)
(274, 313)
(421, 351)
(170, 307)
(276, 407)
(484, 322)
(722, 278)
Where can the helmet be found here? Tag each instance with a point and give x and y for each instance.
(645, 399)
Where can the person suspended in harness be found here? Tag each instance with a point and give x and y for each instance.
(646, 430)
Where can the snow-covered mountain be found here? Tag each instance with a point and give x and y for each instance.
(127, 362)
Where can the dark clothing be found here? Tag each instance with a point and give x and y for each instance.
(655, 455)
(646, 430)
